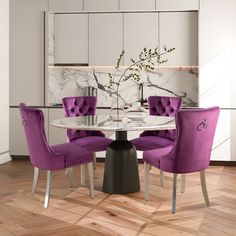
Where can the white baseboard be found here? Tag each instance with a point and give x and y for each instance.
(5, 157)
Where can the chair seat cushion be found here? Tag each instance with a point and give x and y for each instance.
(145, 143)
(74, 134)
(93, 143)
(154, 157)
(73, 155)
(170, 134)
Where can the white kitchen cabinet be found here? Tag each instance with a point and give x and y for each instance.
(18, 145)
(65, 5)
(232, 133)
(137, 5)
(173, 5)
(71, 38)
(101, 5)
(105, 38)
(140, 30)
(224, 148)
(56, 135)
(180, 30)
(27, 51)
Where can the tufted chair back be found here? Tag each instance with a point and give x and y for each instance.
(163, 106)
(80, 106)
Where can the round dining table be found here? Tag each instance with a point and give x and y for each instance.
(121, 174)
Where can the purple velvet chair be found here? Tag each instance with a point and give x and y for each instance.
(43, 156)
(158, 106)
(148, 140)
(93, 141)
(190, 152)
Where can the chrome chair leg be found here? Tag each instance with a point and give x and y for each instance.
(182, 184)
(70, 174)
(35, 180)
(48, 188)
(204, 188)
(174, 193)
(82, 175)
(94, 161)
(161, 178)
(146, 180)
(91, 183)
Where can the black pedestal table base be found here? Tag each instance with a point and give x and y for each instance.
(121, 167)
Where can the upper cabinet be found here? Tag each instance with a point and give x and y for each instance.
(105, 38)
(98, 35)
(101, 5)
(140, 30)
(137, 5)
(65, 5)
(180, 30)
(174, 5)
(27, 51)
(71, 38)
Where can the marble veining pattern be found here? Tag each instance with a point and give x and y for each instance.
(166, 81)
(105, 123)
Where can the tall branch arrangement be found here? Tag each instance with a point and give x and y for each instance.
(148, 59)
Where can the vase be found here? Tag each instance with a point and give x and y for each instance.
(117, 111)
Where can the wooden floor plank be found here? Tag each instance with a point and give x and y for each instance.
(72, 213)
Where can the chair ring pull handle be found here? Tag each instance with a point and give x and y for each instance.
(202, 125)
(23, 121)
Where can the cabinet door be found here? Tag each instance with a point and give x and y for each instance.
(140, 30)
(27, 51)
(56, 135)
(137, 5)
(101, 5)
(65, 5)
(18, 145)
(71, 38)
(173, 5)
(180, 30)
(224, 141)
(105, 38)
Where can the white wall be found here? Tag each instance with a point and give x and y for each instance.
(4, 79)
(217, 62)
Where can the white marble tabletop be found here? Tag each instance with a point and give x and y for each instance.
(105, 123)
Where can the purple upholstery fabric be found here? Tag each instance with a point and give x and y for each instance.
(192, 148)
(41, 154)
(73, 154)
(82, 106)
(153, 156)
(146, 143)
(93, 143)
(159, 106)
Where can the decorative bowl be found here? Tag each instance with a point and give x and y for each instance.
(136, 113)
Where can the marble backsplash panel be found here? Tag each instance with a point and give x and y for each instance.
(166, 81)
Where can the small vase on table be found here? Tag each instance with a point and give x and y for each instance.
(117, 111)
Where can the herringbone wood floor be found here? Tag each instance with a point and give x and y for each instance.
(72, 213)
